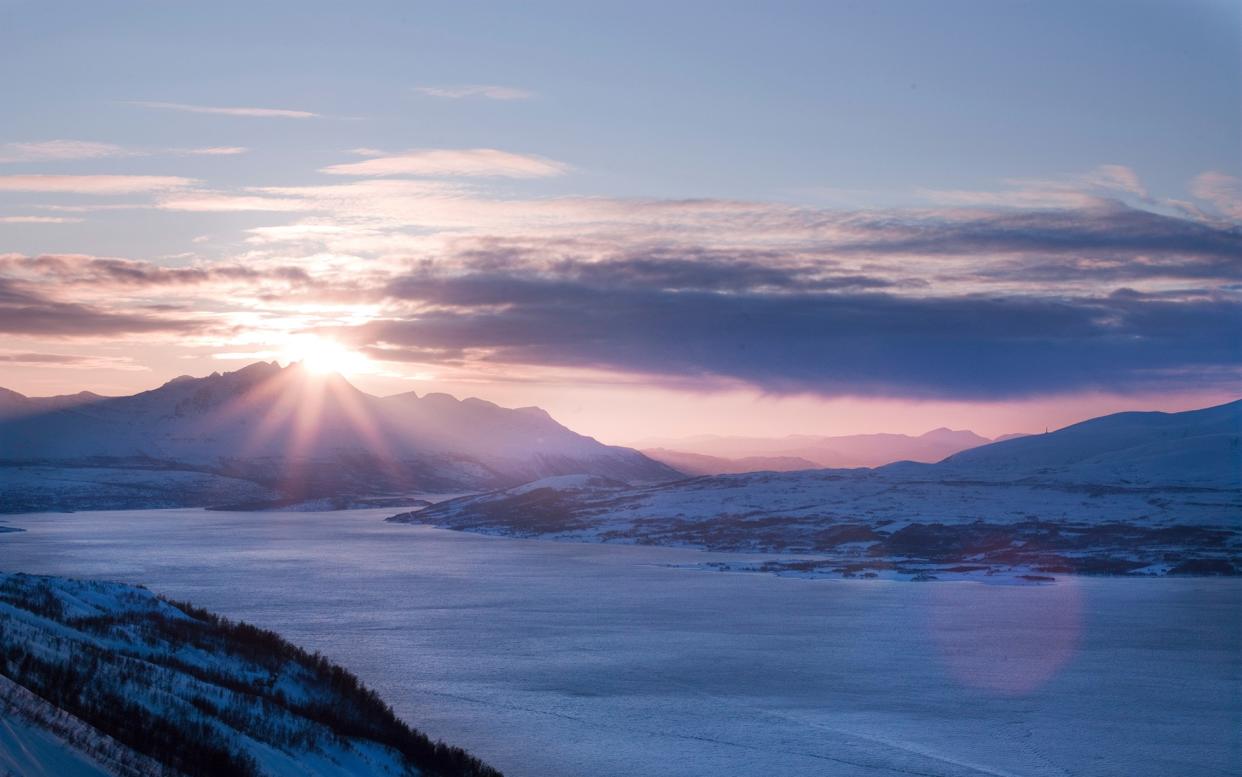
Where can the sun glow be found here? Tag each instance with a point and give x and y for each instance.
(323, 357)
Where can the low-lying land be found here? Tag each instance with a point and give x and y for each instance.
(874, 523)
(1130, 493)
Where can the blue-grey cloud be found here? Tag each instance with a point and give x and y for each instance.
(24, 311)
(826, 342)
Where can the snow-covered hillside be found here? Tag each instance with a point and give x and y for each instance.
(1194, 448)
(106, 679)
(1149, 492)
(289, 434)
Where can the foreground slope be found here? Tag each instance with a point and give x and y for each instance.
(267, 434)
(1153, 493)
(103, 678)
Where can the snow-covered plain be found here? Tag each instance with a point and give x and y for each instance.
(550, 658)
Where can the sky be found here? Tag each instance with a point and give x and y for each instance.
(651, 219)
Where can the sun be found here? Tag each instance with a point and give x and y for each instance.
(323, 357)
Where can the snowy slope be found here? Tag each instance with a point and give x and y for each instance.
(102, 678)
(1148, 492)
(1198, 447)
(301, 435)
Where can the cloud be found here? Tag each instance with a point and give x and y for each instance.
(97, 206)
(393, 201)
(57, 150)
(92, 184)
(262, 113)
(1091, 189)
(490, 92)
(922, 304)
(112, 273)
(826, 342)
(1223, 191)
(1115, 178)
(224, 202)
(453, 162)
(67, 361)
(217, 151)
(1096, 287)
(1109, 231)
(27, 312)
(38, 220)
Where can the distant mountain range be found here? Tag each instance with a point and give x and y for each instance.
(1131, 493)
(267, 435)
(714, 455)
(696, 464)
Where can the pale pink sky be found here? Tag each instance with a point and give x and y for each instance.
(626, 412)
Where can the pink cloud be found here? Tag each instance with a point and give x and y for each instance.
(1223, 191)
(92, 184)
(37, 220)
(222, 202)
(262, 113)
(453, 162)
(217, 151)
(488, 91)
(55, 150)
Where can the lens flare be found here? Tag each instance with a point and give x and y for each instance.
(322, 357)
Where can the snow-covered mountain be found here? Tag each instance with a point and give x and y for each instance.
(107, 679)
(802, 451)
(294, 434)
(1150, 492)
(1197, 447)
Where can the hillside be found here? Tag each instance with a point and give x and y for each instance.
(1197, 447)
(102, 678)
(266, 435)
(1149, 493)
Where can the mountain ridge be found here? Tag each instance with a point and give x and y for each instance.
(301, 435)
(808, 451)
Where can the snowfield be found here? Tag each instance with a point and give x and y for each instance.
(103, 678)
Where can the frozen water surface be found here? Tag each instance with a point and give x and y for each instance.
(574, 659)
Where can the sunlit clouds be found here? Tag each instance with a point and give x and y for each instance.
(490, 92)
(442, 265)
(92, 184)
(217, 151)
(452, 162)
(1223, 191)
(59, 150)
(248, 112)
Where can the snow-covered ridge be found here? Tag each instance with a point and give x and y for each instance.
(1128, 494)
(268, 435)
(103, 678)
